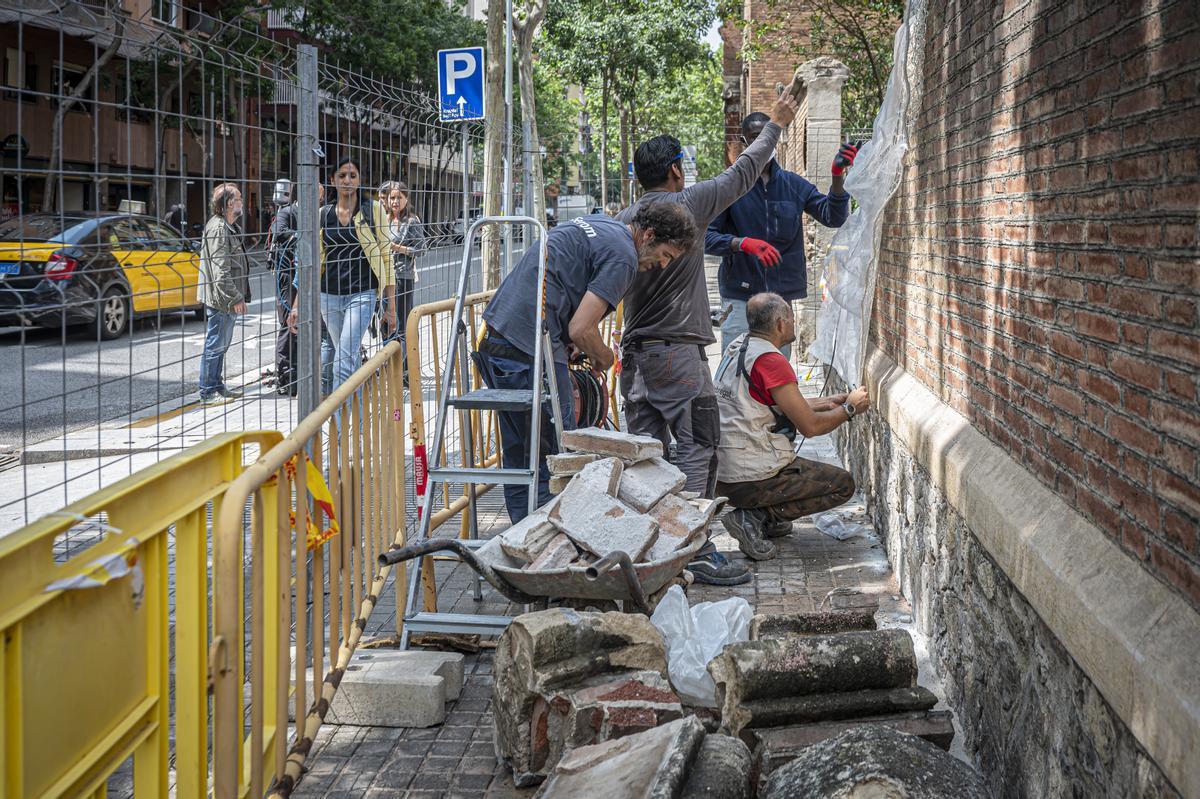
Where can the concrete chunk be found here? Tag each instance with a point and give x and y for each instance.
(776, 746)
(875, 760)
(603, 475)
(600, 523)
(721, 770)
(679, 521)
(526, 539)
(558, 554)
(612, 443)
(822, 622)
(650, 765)
(647, 482)
(397, 689)
(782, 668)
(568, 464)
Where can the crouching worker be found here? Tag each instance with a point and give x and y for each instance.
(762, 410)
(590, 264)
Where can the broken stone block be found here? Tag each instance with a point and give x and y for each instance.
(558, 554)
(559, 484)
(645, 483)
(526, 539)
(601, 708)
(383, 688)
(781, 668)
(542, 655)
(612, 443)
(875, 761)
(776, 746)
(600, 523)
(780, 711)
(568, 464)
(650, 765)
(821, 622)
(679, 521)
(603, 475)
(721, 770)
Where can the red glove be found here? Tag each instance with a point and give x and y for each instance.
(761, 250)
(844, 159)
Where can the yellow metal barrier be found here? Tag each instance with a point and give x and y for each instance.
(355, 441)
(84, 644)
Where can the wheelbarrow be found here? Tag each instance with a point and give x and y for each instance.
(613, 577)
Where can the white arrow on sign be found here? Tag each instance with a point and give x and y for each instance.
(462, 106)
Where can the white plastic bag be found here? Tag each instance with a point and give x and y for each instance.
(695, 636)
(833, 525)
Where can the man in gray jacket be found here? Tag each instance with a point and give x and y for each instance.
(224, 289)
(665, 380)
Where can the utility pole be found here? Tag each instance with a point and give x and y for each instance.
(508, 131)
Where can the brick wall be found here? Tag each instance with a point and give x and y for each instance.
(1040, 269)
(777, 29)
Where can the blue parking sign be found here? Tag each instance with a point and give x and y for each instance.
(460, 84)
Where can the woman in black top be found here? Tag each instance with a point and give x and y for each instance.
(356, 271)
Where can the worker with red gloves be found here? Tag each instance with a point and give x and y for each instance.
(761, 235)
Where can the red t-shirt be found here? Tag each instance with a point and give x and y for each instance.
(771, 370)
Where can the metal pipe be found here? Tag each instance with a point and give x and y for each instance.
(621, 560)
(427, 547)
(308, 241)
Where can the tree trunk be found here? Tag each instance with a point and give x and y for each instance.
(535, 206)
(625, 153)
(493, 166)
(604, 141)
(56, 146)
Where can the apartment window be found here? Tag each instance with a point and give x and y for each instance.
(165, 11)
(20, 75)
(65, 78)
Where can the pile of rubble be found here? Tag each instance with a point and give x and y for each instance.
(616, 493)
(584, 699)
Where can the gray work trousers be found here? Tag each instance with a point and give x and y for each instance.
(668, 393)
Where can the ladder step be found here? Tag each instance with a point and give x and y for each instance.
(455, 474)
(467, 623)
(496, 399)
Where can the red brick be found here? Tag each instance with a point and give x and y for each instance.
(1183, 423)
(1180, 346)
(1182, 530)
(1099, 387)
(1136, 370)
(1097, 326)
(1177, 571)
(1138, 302)
(1184, 274)
(1184, 494)
(1181, 384)
(1139, 235)
(1133, 434)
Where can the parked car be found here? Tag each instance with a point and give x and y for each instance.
(97, 269)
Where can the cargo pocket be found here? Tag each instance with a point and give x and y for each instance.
(706, 421)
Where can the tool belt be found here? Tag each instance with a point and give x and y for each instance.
(493, 344)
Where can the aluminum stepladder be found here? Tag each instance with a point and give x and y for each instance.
(470, 475)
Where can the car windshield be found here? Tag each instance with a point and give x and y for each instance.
(46, 227)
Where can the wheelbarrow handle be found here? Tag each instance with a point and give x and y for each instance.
(398, 554)
(622, 561)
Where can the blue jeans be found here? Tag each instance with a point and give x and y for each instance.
(735, 325)
(217, 338)
(346, 317)
(515, 431)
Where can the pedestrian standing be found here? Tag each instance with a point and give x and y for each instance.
(408, 239)
(224, 289)
(281, 258)
(356, 270)
(765, 229)
(665, 380)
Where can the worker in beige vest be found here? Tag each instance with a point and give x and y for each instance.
(762, 409)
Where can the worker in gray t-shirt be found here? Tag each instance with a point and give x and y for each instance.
(590, 263)
(665, 381)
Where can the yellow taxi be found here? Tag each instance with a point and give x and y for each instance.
(99, 270)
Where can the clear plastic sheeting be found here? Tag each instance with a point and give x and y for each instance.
(695, 636)
(850, 267)
(833, 525)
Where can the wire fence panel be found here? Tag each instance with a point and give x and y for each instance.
(119, 134)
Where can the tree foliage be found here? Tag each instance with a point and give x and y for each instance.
(395, 41)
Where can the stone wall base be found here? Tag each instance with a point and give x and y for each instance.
(1037, 724)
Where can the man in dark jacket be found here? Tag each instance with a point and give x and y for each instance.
(282, 259)
(761, 236)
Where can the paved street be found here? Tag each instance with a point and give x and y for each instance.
(54, 386)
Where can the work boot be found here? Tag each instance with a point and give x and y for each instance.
(746, 525)
(716, 569)
(778, 529)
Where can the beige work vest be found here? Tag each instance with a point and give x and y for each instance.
(748, 449)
